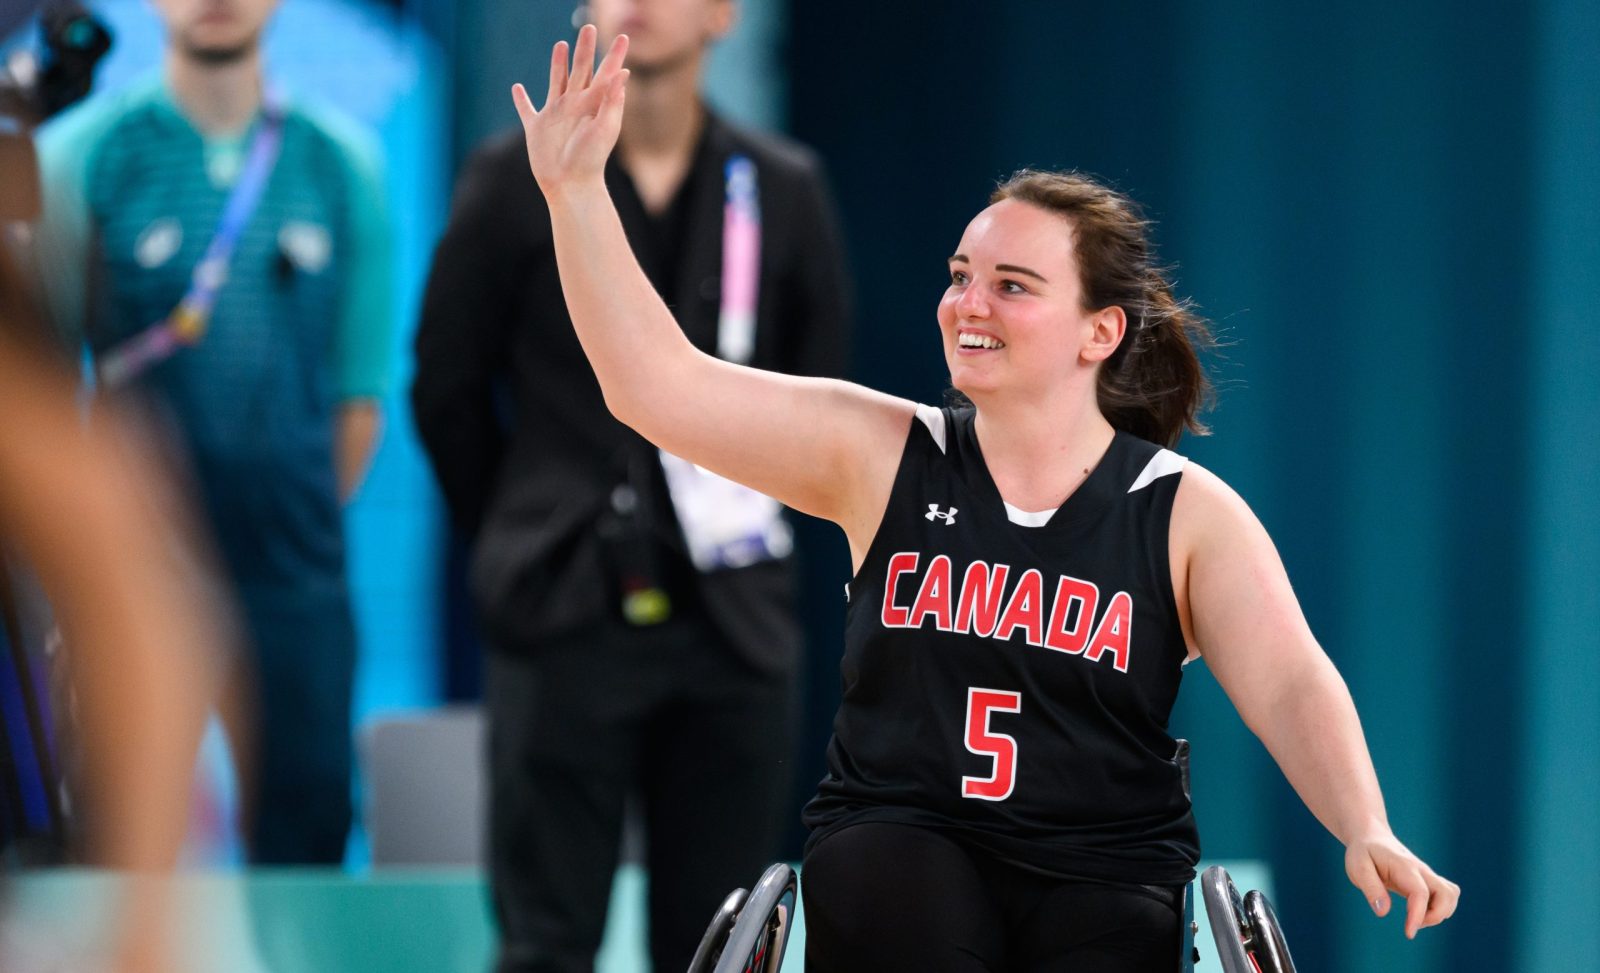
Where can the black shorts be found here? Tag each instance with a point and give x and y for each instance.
(898, 897)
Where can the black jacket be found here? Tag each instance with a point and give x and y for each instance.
(511, 414)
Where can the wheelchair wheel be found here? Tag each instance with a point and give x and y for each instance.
(716, 935)
(761, 933)
(1225, 911)
(1246, 930)
(1266, 937)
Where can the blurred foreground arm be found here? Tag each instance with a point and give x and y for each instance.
(97, 524)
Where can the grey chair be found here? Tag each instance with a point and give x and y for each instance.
(424, 802)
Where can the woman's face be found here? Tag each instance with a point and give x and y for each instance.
(1012, 318)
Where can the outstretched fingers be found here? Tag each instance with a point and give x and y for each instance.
(602, 90)
(571, 135)
(592, 89)
(525, 109)
(558, 73)
(611, 107)
(558, 85)
(612, 65)
(583, 59)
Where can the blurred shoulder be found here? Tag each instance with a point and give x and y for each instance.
(498, 166)
(778, 155)
(503, 152)
(353, 143)
(71, 138)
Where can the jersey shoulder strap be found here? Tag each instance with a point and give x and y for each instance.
(1146, 463)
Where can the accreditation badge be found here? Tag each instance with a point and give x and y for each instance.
(726, 524)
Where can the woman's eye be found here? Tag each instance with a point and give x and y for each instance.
(1012, 287)
(958, 277)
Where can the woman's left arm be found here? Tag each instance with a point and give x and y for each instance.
(1238, 610)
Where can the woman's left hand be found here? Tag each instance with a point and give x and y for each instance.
(1380, 864)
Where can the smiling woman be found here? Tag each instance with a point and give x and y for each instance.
(1151, 384)
(1002, 792)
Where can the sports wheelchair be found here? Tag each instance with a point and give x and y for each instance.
(751, 929)
(1246, 930)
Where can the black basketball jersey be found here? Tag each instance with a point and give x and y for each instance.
(1008, 676)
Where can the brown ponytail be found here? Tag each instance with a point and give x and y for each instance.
(1153, 385)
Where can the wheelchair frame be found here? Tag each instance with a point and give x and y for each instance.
(1246, 930)
(751, 930)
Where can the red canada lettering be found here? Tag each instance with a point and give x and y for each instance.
(972, 605)
(933, 598)
(1115, 632)
(982, 592)
(1087, 596)
(893, 615)
(1025, 610)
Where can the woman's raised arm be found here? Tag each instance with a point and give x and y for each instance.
(824, 447)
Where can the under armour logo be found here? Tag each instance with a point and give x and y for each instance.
(934, 513)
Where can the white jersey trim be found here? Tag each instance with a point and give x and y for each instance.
(1028, 518)
(1163, 463)
(933, 418)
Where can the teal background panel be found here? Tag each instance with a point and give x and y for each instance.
(1555, 905)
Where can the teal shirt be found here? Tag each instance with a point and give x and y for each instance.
(133, 194)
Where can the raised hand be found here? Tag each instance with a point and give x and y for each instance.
(570, 138)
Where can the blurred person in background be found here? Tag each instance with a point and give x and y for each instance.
(224, 251)
(96, 520)
(642, 637)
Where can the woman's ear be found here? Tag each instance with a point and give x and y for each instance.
(1106, 328)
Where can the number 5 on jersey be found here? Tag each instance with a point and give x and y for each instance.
(981, 741)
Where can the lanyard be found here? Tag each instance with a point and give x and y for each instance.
(724, 524)
(741, 263)
(187, 323)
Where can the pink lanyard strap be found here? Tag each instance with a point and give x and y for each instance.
(741, 263)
